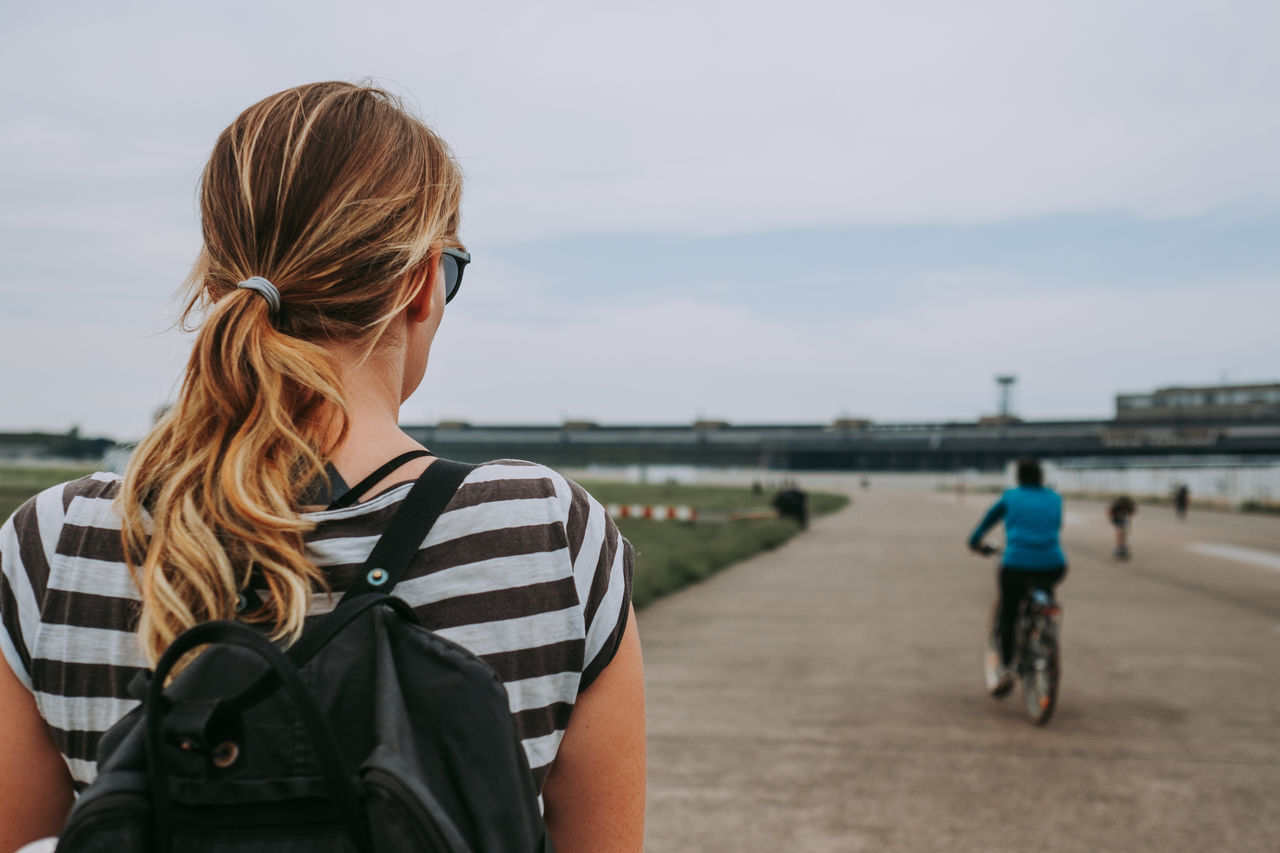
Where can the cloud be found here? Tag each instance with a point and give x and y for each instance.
(631, 357)
(678, 359)
(106, 377)
(644, 124)
(572, 117)
(844, 114)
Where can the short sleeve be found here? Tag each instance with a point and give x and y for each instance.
(27, 542)
(603, 561)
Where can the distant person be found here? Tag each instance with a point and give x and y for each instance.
(1033, 558)
(330, 220)
(1121, 513)
(792, 503)
(1181, 500)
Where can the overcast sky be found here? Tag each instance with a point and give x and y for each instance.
(781, 212)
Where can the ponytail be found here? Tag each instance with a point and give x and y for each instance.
(210, 500)
(336, 195)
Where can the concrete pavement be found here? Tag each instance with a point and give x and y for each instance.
(828, 696)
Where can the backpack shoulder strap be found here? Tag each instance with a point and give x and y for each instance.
(410, 525)
(391, 555)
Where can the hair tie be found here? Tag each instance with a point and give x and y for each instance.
(258, 284)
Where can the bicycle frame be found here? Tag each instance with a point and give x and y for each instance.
(1036, 653)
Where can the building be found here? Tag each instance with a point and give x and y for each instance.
(858, 446)
(1232, 424)
(1209, 402)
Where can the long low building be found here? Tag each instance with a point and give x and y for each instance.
(853, 445)
(1229, 425)
(1258, 401)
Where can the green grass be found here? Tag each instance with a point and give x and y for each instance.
(19, 482)
(671, 555)
(707, 500)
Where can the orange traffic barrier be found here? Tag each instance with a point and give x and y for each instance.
(653, 512)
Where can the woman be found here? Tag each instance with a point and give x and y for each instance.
(1033, 559)
(330, 220)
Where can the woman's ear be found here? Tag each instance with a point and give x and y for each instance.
(420, 307)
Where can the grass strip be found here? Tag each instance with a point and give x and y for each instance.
(671, 555)
(20, 482)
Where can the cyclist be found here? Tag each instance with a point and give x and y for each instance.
(1121, 513)
(1033, 558)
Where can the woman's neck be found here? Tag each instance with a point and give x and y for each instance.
(372, 388)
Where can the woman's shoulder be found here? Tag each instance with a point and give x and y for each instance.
(81, 500)
(45, 537)
(502, 480)
(510, 469)
(527, 493)
(98, 486)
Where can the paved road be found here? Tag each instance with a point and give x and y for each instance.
(828, 696)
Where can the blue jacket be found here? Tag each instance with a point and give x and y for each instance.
(1032, 518)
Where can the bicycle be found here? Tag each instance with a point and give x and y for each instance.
(1036, 660)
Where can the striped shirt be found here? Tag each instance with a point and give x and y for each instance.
(523, 568)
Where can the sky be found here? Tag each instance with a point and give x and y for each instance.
(752, 212)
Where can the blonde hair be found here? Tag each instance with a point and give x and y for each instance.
(339, 197)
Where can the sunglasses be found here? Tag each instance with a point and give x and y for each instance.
(454, 261)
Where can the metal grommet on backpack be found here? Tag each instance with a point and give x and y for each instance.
(324, 747)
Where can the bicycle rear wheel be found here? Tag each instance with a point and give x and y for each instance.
(1040, 682)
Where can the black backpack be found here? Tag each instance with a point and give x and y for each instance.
(371, 733)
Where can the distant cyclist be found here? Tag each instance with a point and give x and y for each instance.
(1033, 558)
(1121, 513)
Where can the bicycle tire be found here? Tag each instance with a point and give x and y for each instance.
(1040, 688)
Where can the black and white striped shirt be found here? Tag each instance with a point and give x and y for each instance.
(523, 568)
